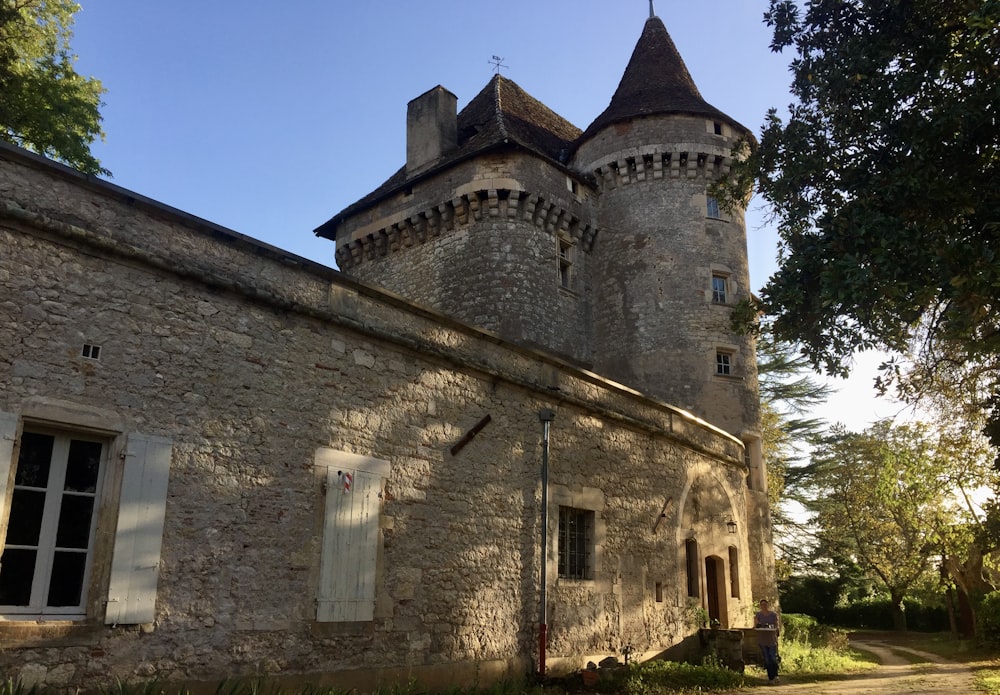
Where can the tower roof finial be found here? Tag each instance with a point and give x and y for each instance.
(652, 12)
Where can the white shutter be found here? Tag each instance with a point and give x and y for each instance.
(135, 562)
(350, 548)
(8, 430)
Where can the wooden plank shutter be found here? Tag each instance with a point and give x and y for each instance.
(350, 548)
(8, 430)
(135, 561)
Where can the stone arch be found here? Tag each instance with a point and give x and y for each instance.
(705, 506)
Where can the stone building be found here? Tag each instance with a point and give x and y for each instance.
(218, 459)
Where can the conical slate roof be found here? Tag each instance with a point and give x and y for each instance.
(655, 82)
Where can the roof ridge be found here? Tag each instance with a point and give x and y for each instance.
(498, 102)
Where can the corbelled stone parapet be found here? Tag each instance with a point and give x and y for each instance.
(661, 162)
(407, 229)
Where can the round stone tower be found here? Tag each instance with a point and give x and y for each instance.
(668, 265)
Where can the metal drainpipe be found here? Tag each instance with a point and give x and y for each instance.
(546, 416)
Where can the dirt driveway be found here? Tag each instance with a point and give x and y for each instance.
(897, 674)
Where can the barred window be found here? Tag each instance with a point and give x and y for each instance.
(576, 542)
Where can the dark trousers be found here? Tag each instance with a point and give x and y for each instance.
(770, 661)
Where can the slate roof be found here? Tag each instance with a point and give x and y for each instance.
(502, 114)
(655, 82)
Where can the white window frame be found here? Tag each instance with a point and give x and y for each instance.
(45, 547)
(132, 500)
(720, 295)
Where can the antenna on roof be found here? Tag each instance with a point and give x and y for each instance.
(652, 12)
(497, 63)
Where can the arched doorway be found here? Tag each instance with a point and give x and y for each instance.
(715, 586)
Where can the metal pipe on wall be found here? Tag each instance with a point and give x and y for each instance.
(546, 416)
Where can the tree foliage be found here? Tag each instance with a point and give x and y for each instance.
(45, 105)
(885, 501)
(884, 179)
(789, 393)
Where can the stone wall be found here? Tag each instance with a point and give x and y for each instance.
(656, 325)
(254, 365)
(479, 242)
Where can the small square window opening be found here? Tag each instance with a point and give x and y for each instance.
(91, 352)
(723, 364)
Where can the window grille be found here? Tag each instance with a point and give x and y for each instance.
(576, 534)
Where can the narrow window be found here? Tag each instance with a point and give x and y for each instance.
(719, 289)
(717, 127)
(50, 530)
(659, 592)
(713, 208)
(576, 534)
(691, 562)
(565, 264)
(734, 572)
(723, 363)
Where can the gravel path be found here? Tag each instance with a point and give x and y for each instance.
(896, 675)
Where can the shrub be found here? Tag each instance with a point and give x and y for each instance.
(876, 614)
(667, 676)
(806, 630)
(988, 619)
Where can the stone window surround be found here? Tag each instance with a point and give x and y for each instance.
(585, 498)
(725, 273)
(72, 418)
(731, 355)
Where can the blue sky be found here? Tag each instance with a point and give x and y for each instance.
(268, 118)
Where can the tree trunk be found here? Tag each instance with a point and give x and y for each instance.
(898, 613)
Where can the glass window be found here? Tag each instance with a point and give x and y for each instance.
(719, 289)
(723, 363)
(565, 264)
(50, 534)
(576, 539)
(713, 208)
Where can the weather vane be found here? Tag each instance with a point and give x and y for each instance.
(497, 63)
(652, 12)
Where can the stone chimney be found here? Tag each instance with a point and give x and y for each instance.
(431, 128)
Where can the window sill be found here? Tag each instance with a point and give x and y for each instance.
(567, 292)
(26, 633)
(728, 377)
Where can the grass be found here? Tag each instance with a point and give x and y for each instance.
(801, 661)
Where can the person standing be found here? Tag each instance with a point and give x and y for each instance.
(768, 625)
